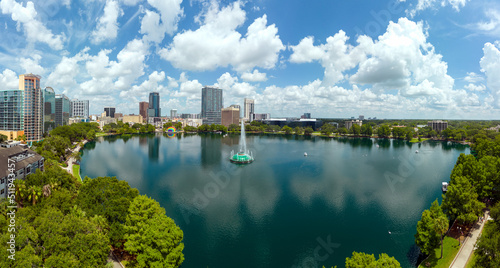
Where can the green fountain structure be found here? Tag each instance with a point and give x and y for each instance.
(243, 156)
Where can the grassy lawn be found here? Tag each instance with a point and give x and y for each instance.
(416, 139)
(471, 261)
(450, 249)
(100, 134)
(76, 171)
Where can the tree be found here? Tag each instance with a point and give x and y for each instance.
(367, 130)
(57, 145)
(91, 135)
(361, 259)
(298, 130)
(426, 237)
(488, 245)
(460, 201)
(153, 237)
(233, 127)
(342, 131)
(308, 131)
(110, 198)
(150, 128)
(355, 129)
(178, 126)
(287, 130)
(441, 225)
(327, 129)
(384, 131)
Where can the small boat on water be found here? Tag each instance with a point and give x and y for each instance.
(444, 186)
(305, 154)
(378, 146)
(416, 151)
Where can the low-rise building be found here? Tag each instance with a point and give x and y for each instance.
(192, 122)
(132, 119)
(25, 161)
(348, 124)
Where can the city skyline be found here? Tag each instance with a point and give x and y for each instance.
(392, 59)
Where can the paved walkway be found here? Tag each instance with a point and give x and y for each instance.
(71, 160)
(468, 245)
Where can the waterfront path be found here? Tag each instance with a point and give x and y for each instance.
(71, 160)
(469, 244)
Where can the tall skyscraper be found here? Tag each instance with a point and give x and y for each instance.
(211, 105)
(110, 111)
(237, 107)
(11, 110)
(249, 109)
(143, 109)
(79, 108)
(33, 106)
(154, 105)
(49, 109)
(63, 109)
(173, 113)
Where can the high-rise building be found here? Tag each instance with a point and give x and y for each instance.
(306, 116)
(154, 105)
(211, 105)
(143, 109)
(80, 108)
(438, 125)
(173, 113)
(11, 113)
(190, 116)
(33, 106)
(230, 116)
(261, 117)
(249, 109)
(348, 124)
(110, 111)
(49, 109)
(63, 110)
(361, 117)
(237, 107)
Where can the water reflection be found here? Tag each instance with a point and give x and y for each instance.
(253, 215)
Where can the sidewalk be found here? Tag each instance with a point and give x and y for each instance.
(468, 245)
(70, 160)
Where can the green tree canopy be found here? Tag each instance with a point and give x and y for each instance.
(363, 260)
(460, 201)
(152, 236)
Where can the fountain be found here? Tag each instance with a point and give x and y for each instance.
(243, 156)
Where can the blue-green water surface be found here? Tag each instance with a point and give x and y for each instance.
(284, 209)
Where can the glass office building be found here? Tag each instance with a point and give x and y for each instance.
(11, 110)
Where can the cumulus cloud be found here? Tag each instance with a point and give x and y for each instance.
(490, 65)
(473, 87)
(217, 43)
(9, 80)
(491, 24)
(148, 85)
(66, 71)
(254, 76)
(473, 77)
(32, 65)
(154, 25)
(34, 29)
(107, 25)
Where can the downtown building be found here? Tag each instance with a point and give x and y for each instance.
(49, 109)
(154, 110)
(249, 107)
(230, 116)
(33, 106)
(63, 110)
(143, 109)
(79, 108)
(211, 105)
(11, 113)
(109, 112)
(438, 125)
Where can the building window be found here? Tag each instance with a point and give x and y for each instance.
(2, 191)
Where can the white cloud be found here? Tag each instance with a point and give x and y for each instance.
(490, 65)
(66, 71)
(254, 76)
(473, 77)
(149, 85)
(107, 26)
(474, 87)
(217, 43)
(32, 65)
(490, 26)
(9, 80)
(305, 51)
(34, 29)
(131, 2)
(154, 25)
(433, 4)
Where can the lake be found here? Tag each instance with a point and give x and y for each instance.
(284, 209)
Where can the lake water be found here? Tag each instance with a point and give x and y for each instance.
(284, 209)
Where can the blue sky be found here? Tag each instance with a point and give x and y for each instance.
(384, 59)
